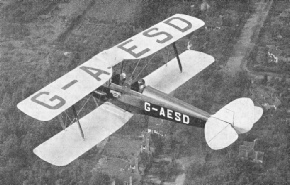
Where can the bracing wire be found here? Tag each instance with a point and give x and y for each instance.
(96, 102)
(62, 123)
(65, 119)
(149, 61)
(68, 117)
(135, 68)
(83, 105)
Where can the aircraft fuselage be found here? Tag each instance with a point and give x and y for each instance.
(158, 104)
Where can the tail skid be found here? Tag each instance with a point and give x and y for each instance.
(222, 128)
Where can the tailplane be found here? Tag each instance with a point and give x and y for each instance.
(237, 117)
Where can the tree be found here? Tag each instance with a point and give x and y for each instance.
(99, 178)
(265, 80)
(6, 103)
(10, 146)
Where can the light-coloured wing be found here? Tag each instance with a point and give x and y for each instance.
(154, 38)
(72, 87)
(68, 145)
(168, 77)
(61, 94)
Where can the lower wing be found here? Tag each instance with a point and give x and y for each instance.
(167, 78)
(68, 145)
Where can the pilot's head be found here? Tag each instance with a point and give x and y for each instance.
(123, 75)
(141, 82)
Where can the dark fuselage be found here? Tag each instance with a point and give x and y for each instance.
(158, 104)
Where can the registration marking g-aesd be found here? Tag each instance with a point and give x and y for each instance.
(159, 36)
(166, 113)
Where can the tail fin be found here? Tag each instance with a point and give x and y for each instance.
(237, 117)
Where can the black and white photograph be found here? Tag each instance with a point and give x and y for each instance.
(144, 92)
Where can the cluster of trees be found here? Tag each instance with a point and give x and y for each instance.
(211, 87)
(222, 167)
(20, 134)
(273, 38)
(225, 167)
(215, 87)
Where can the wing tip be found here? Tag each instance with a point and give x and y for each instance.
(25, 107)
(191, 17)
(206, 57)
(50, 159)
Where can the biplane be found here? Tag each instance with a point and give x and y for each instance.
(122, 100)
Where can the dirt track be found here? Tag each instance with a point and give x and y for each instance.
(247, 42)
(248, 37)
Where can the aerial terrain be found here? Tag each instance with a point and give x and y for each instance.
(41, 40)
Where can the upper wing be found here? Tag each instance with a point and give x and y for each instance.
(61, 94)
(68, 145)
(168, 77)
(154, 38)
(72, 87)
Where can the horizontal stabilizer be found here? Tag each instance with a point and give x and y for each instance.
(257, 114)
(68, 145)
(219, 134)
(168, 77)
(239, 113)
(235, 118)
